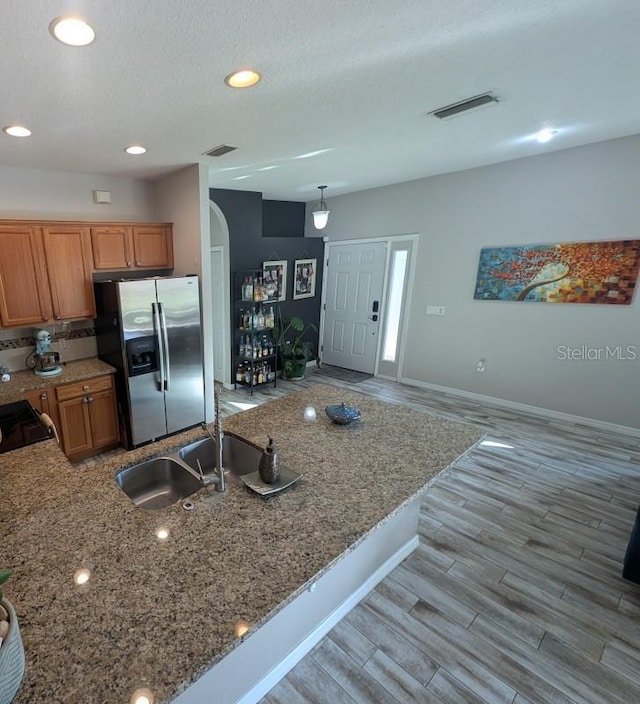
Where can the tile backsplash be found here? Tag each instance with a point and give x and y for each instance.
(73, 340)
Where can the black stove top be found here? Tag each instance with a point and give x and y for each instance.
(20, 426)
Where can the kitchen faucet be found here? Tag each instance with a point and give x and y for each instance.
(217, 477)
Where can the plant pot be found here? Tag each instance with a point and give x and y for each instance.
(11, 658)
(293, 368)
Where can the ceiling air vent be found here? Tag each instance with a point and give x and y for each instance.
(220, 150)
(464, 105)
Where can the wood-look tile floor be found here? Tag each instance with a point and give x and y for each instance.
(514, 595)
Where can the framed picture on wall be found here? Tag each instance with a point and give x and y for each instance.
(277, 276)
(304, 278)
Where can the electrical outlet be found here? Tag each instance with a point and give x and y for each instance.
(435, 310)
(481, 365)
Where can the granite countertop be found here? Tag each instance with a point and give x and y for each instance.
(159, 614)
(24, 381)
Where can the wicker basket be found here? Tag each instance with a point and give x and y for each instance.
(11, 658)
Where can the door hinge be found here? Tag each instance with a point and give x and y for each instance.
(321, 348)
(324, 306)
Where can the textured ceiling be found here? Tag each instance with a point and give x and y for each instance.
(355, 78)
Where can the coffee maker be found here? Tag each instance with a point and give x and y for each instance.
(42, 360)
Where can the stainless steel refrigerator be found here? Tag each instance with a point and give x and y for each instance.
(149, 330)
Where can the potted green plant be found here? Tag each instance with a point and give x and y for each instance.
(295, 349)
(11, 649)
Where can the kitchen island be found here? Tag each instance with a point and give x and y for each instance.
(160, 613)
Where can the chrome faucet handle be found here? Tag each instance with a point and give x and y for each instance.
(208, 479)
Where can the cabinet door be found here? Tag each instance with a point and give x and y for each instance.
(24, 287)
(112, 247)
(44, 400)
(75, 426)
(153, 247)
(68, 256)
(103, 419)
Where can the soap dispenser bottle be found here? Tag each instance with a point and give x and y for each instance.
(269, 465)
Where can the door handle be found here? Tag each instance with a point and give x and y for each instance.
(165, 335)
(376, 305)
(374, 318)
(156, 317)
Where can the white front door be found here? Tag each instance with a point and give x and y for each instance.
(354, 282)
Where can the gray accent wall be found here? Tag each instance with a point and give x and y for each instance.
(580, 194)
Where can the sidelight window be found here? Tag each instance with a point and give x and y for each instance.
(397, 274)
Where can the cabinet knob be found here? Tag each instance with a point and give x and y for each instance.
(85, 387)
(128, 263)
(57, 316)
(90, 399)
(138, 263)
(85, 399)
(43, 397)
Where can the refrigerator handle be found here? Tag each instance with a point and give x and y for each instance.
(165, 336)
(156, 317)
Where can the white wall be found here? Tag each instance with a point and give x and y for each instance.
(63, 195)
(586, 193)
(177, 199)
(183, 199)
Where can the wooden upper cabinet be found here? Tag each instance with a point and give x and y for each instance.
(120, 247)
(46, 268)
(69, 264)
(153, 247)
(24, 287)
(112, 247)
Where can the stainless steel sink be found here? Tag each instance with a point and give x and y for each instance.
(162, 481)
(238, 457)
(157, 483)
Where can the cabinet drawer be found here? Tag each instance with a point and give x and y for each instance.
(82, 388)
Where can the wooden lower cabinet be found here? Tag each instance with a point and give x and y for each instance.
(88, 417)
(44, 400)
(75, 426)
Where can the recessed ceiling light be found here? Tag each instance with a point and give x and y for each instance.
(546, 135)
(17, 131)
(72, 31)
(242, 79)
(135, 149)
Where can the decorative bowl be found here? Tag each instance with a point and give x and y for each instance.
(342, 413)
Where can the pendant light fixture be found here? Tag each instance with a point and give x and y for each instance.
(320, 212)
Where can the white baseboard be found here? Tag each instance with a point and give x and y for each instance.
(525, 408)
(293, 658)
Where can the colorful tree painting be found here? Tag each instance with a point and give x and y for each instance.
(571, 272)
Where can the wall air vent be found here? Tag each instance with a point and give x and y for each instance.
(220, 150)
(454, 109)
